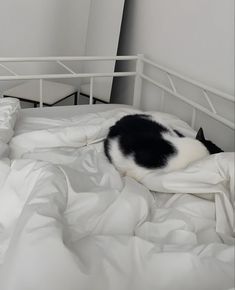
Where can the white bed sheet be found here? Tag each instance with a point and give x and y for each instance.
(78, 224)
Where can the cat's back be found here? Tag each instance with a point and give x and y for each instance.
(137, 125)
(137, 144)
(139, 138)
(188, 150)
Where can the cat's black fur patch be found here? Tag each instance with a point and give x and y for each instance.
(141, 137)
(106, 149)
(211, 147)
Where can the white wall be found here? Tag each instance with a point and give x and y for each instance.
(42, 28)
(193, 37)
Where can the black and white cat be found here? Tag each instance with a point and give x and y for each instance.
(137, 145)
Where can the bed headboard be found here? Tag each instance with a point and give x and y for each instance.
(207, 100)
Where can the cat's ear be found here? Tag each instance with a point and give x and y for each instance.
(200, 135)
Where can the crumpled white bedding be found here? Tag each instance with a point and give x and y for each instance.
(70, 221)
(9, 109)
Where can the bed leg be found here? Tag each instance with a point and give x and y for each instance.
(76, 98)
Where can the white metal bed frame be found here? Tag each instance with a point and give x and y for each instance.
(139, 77)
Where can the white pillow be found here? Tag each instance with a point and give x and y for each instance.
(9, 108)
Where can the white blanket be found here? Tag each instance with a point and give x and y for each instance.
(9, 109)
(80, 225)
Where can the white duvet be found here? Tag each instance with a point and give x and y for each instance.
(9, 109)
(70, 221)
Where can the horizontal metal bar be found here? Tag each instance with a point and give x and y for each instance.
(66, 76)
(66, 58)
(217, 117)
(193, 82)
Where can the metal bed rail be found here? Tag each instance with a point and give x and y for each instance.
(139, 75)
(70, 73)
(142, 61)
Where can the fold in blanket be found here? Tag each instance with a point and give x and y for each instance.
(75, 223)
(62, 140)
(85, 227)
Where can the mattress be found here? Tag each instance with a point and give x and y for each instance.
(69, 220)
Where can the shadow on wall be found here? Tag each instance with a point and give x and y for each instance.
(122, 89)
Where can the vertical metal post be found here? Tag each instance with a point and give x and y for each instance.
(162, 101)
(138, 81)
(91, 90)
(193, 120)
(40, 93)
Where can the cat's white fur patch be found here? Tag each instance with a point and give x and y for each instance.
(188, 150)
(125, 165)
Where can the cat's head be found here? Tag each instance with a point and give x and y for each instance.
(210, 146)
